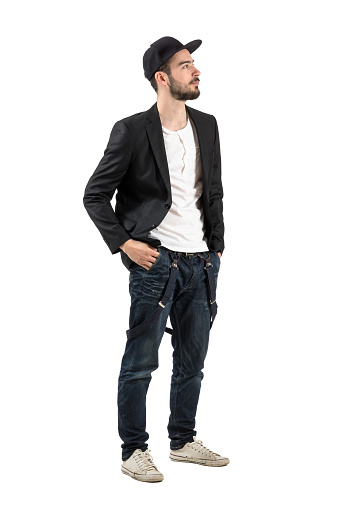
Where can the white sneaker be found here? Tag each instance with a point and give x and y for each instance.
(140, 466)
(197, 453)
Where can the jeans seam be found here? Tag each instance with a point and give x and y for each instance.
(179, 371)
(128, 369)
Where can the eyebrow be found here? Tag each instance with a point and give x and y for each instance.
(187, 61)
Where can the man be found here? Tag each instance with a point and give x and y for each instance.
(168, 227)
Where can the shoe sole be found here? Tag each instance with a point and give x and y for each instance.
(210, 463)
(140, 478)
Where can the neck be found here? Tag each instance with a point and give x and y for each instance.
(172, 113)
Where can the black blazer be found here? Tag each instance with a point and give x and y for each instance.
(135, 164)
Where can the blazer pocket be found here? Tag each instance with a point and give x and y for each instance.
(127, 223)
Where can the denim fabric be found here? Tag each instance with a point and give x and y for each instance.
(190, 314)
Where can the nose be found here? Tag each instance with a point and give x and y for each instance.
(196, 72)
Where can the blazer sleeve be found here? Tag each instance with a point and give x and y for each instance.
(103, 183)
(216, 196)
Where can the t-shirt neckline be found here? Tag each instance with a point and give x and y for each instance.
(178, 131)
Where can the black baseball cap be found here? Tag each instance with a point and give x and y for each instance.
(161, 50)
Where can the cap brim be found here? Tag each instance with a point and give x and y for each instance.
(192, 46)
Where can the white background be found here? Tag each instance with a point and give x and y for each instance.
(270, 395)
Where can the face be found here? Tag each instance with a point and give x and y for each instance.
(183, 83)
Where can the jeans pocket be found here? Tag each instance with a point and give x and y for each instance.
(215, 259)
(151, 268)
(136, 266)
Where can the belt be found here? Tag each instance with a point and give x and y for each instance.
(183, 253)
(137, 330)
(190, 253)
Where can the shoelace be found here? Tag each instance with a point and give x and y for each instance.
(145, 461)
(200, 447)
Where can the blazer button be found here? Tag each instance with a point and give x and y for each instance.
(167, 206)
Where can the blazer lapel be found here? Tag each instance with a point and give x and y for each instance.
(205, 149)
(156, 139)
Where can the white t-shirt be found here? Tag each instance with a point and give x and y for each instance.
(183, 226)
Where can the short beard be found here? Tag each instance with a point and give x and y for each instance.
(182, 92)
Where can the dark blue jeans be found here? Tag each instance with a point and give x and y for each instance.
(190, 315)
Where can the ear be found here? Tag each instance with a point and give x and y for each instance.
(161, 78)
